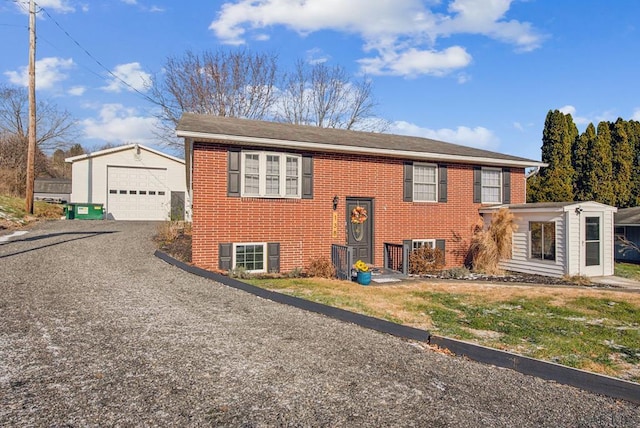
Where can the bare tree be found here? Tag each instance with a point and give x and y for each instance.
(327, 97)
(235, 84)
(13, 161)
(54, 128)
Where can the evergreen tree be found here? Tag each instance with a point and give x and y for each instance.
(633, 133)
(555, 182)
(586, 187)
(622, 152)
(600, 174)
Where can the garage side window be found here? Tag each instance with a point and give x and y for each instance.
(543, 240)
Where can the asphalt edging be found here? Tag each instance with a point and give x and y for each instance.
(592, 382)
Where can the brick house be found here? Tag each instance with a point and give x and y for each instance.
(273, 197)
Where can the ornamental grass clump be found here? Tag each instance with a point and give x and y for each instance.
(490, 246)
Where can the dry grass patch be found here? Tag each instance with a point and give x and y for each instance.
(597, 330)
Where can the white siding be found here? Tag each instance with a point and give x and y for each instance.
(90, 174)
(609, 246)
(521, 262)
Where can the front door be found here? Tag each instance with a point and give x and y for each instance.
(360, 228)
(592, 249)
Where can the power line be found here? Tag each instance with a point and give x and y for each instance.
(111, 73)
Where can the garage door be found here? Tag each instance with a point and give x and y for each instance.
(137, 193)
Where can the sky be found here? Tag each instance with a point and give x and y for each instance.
(481, 73)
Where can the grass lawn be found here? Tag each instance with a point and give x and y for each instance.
(595, 330)
(628, 270)
(13, 213)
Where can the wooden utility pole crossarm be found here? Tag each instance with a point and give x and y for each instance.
(31, 152)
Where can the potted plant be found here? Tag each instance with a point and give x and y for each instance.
(364, 274)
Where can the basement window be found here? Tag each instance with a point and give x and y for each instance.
(252, 257)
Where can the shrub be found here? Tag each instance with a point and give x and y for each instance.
(460, 272)
(426, 260)
(321, 268)
(239, 272)
(294, 273)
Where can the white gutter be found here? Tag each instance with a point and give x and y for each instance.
(268, 142)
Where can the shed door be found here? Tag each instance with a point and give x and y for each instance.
(137, 193)
(592, 244)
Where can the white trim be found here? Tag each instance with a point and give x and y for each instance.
(435, 182)
(264, 255)
(262, 175)
(555, 242)
(482, 185)
(423, 241)
(336, 148)
(120, 149)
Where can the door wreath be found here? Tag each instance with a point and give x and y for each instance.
(359, 215)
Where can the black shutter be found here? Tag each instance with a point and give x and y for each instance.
(442, 183)
(440, 243)
(273, 257)
(307, 177)
(233, 174)
(477, 184)
(408, 182)
(224, 256)
(506, 186)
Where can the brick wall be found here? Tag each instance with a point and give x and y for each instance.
(303, 226)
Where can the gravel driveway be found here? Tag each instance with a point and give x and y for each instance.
(96, 331)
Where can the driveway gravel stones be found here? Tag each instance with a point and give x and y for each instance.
(96, 331)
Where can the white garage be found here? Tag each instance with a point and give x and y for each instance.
(133, 182)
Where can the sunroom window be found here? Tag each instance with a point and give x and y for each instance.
(543, 240)
(271, 175)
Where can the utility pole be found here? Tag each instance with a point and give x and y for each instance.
(31, 152)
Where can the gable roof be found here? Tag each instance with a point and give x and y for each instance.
(551, 207)
(628, 217)
(52, 185)
(120, 149)
(236, 131)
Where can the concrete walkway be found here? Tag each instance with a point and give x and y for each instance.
(618, 281)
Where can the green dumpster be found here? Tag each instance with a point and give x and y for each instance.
(88, 211)
(68, 211)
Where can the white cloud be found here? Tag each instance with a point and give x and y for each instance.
(129, 1)
(636, 114)
(132, 74)
(60, 6)
(77, 91)
(413, 62)
(595, 118)
(117, 124)
(478, 137)
(401, 34)
(49, 72)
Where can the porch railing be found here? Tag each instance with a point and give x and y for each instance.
(342, 260)
(396, 257)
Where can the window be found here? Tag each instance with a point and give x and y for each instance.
(424, 182)
(252, 257)
(271, 175)
(543, 240)
(491, 185)
(418, 243)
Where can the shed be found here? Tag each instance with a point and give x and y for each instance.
(627, 231)
(560, 238)
(133, 182)
(57, 190)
